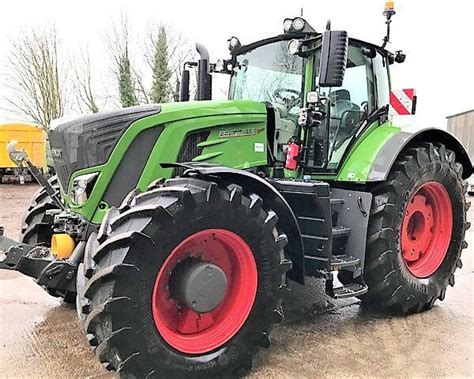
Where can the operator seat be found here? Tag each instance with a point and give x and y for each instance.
(341, 105)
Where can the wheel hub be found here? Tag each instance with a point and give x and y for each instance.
(426, 229)
(419, 231)
(199, 285)
(204, 291)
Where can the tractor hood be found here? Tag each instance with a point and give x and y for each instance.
(89, 140)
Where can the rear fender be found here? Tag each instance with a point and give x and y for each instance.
(392, 148)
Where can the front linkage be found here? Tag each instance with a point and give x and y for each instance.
(53, 268)
(58, 277)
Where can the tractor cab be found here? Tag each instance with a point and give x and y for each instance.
(282, 71)
(320, 89)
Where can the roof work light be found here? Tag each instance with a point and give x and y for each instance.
(297, 25)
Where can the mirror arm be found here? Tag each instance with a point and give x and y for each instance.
(386, 39)
(307, 53)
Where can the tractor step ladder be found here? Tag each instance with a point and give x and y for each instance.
(349, 290)
(336, 202)
(321, 216)
(341, 259)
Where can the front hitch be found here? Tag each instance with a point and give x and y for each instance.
(56, 276)
(54, 270)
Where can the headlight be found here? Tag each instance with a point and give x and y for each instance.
(82, 187)
(287, 24)
(294, 47)
(298, 24)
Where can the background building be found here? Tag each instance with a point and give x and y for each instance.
(462, 126)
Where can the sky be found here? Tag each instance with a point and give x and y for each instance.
(435, 35)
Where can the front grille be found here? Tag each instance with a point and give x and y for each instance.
(89, 140)
(189, 149)
(62, 173)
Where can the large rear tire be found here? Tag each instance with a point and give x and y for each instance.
(416, 231)
(132, 306)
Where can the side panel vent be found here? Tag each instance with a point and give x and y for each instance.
(190, 150)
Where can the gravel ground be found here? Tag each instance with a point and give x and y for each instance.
(320, 337)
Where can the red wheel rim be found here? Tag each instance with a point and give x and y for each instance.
(426, 229)
(194, 333)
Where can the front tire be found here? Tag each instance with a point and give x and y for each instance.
(131, 312)
(36, 225)
(416, 231)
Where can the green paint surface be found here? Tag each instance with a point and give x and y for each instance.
(244, 150)
(359, 161)
(237, 138)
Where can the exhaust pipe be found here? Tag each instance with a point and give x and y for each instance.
(204, 79)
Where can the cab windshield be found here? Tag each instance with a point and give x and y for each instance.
(269, 73)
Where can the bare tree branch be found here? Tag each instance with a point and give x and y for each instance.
(83, 84)
(117, 43)
(140, 87)
(35, 76)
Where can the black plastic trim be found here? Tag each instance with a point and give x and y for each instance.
(272, 199)
(131, 166)
(390, 151)
(88, 141)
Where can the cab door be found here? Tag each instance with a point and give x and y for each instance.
(365, 88)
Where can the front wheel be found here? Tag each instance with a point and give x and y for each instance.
(186, 282)
(36, 224)
(416, 231)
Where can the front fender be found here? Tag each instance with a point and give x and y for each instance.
(392, 148)
(272, 199)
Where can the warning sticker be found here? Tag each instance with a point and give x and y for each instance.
(259, 147)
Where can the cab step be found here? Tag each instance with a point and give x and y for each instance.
(341, 261)
(349, 290)
(336, 202)
(336, 206)
(340, 231)
(340, 236)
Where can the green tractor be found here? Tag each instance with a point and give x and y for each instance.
(176, 227)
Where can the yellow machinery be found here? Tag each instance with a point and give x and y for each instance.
(30, 137)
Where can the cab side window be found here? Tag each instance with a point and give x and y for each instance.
(350, 103)
(381, 77)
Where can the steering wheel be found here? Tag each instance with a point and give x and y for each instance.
(291, 99)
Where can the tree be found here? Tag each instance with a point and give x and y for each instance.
(181, 51)
(83, 88)
(118, 44)
(160, 89)
(167, 56)
(126, 87)
(35, 76)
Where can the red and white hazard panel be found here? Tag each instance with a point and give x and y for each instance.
(403, 102)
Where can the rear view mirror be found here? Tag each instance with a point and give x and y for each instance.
(184, 86)
(333, 58)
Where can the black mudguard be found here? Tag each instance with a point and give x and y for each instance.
(272, 199)
(393, 147)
